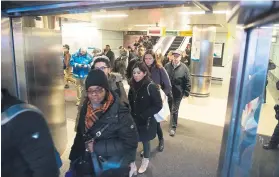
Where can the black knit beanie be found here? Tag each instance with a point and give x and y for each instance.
(96, 78)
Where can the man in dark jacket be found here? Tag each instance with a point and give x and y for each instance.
(181, 86)
(141, 51)
(110, 55)
(120, 63)
(103, 108)
(131, 53)
(26, 145)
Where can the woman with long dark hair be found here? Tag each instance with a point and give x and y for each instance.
(160, 76)
(145, 101)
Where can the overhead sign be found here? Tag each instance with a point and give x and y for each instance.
(155, 31)
(185, 33)
(144, 33)
(177, 33)
(171, 33)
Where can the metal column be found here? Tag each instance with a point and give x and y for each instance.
(202, 60)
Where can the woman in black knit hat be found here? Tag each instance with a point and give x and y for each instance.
(117, 143)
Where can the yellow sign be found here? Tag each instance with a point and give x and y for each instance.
(185, 33)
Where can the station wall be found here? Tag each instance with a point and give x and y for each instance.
(78, 35)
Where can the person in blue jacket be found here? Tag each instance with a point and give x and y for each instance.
(81, 63)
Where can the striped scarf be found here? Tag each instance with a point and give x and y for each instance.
(92, 115)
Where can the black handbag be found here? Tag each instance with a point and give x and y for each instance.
(83, 165)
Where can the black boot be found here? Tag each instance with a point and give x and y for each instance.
(269, 146)
(161, 145)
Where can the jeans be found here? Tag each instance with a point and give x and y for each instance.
(146, 149)
(275, 137)
(159, 131)
(175, 108)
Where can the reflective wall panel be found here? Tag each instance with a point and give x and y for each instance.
(8, 76)
(38, 54)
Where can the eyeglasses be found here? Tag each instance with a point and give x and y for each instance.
(101, 68)
(96, 91)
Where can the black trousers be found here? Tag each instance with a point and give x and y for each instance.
(174, 111)
(275, 137)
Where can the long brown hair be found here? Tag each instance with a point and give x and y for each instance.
(142, 66)
(156, 62)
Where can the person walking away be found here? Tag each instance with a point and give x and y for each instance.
(80, 62)
(68, 68)
(117, 143)
(274, 141)
(159, 56)
(27, 149)
(188, 55)
(131, 54)
(160, 77)
(109, 53)
(181, 86)
(139, 57)
(115, 82)
(145, 101)
(120, 63)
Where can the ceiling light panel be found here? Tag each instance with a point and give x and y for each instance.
(110, 16)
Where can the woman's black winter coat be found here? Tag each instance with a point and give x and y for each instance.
(143, 107)
(119, 139)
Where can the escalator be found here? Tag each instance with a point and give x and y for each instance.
(175, 44)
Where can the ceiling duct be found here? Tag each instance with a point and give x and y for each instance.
(205, 7)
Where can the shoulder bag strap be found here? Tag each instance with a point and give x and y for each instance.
(15, 110)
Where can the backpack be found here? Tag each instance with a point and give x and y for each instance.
(17, 109)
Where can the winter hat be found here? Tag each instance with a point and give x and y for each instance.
(96, 78)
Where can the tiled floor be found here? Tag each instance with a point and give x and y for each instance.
(198, 137)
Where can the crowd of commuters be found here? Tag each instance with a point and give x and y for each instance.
(103, 100)
(110, 122)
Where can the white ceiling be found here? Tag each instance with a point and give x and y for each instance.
(165, 17)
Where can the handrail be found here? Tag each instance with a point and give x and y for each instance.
(184, 43)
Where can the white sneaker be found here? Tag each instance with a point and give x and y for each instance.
(144, 165)
(133, 170)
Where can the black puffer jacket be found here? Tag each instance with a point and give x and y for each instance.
(119, 139)
(145, 102)
(22, 154)
(180, 79)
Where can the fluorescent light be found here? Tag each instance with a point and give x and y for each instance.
(269, 27)
(220, 11)
(110, 16)
(276, 25)
(146, 25)
(193, 13)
